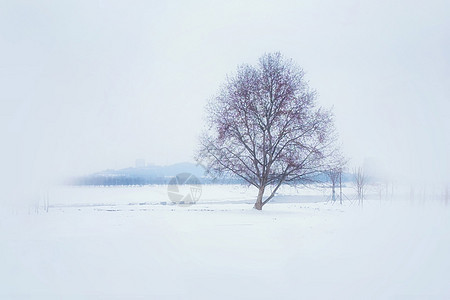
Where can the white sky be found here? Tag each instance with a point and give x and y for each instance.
(90, 85)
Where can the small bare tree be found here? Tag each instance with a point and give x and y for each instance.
(265, 128)
(334, 173)
(360, 183)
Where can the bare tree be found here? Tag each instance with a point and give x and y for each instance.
(334, 173)
(360, 183)
(265, 128)
(335, 176)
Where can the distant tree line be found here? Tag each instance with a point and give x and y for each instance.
(96, 180)
(130, 180)
(126, 180)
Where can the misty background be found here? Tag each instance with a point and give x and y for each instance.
(92, 85)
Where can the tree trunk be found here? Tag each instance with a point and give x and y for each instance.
(259, 204)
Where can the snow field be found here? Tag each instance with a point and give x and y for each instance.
(220, 248)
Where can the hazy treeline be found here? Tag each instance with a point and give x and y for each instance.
(136, 180)
(130, 180)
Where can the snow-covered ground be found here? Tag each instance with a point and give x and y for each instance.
(124, 243)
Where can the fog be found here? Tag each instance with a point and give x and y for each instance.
(92, 85)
